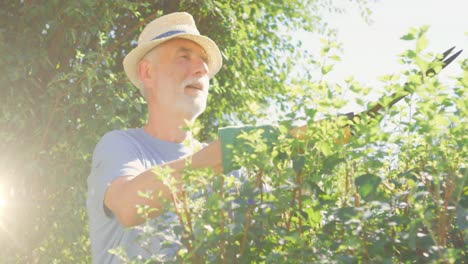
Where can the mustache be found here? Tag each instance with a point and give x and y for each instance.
(196, 84)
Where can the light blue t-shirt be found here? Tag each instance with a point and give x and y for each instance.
(128, 153)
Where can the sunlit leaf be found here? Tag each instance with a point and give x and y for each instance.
(367, 184)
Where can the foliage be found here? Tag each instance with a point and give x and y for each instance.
(394, 193)
(385, 196)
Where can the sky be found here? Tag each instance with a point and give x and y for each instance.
(371, 50)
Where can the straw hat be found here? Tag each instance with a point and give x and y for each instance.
(175, 25)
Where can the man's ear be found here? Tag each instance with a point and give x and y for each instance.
(144, 70)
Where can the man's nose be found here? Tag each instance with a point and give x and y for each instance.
(200, 67)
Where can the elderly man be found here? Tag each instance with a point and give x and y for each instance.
(172, 66)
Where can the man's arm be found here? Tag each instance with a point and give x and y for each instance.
(122, 196)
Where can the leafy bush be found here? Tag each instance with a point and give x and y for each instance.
(394, 193)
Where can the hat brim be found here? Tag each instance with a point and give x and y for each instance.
(132, 59)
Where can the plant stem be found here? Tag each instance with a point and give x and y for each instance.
(189, 223)
(246, 230)
(181, 221)
(299, 198)
(223, 236)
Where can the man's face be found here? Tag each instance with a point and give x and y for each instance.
(177, 78)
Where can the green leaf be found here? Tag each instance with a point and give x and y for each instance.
(421, 43)
(410, 54)
(411, 34)
(367, 185)
(346, 213)
(327, 68)
(408, 36)
(324, 147)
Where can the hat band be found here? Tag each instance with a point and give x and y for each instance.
(168, 34)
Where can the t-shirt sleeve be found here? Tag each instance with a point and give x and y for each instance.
(114, 156)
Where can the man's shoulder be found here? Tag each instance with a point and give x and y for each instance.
(117, 139)
(120, 134)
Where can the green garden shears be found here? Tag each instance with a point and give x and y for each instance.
(374, 110)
